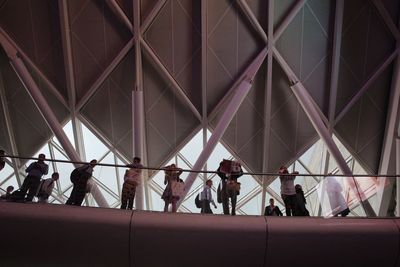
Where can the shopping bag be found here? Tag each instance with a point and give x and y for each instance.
(232, 185)
(178, 188)
(230, 166)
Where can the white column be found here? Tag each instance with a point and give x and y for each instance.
(138, 111)
(138, 124)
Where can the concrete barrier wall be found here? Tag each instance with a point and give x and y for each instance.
(58, 235)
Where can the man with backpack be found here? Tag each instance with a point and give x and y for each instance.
(205, 198)
(79, 178)
(31, 183)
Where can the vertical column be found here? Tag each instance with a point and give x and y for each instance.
(204, 45)
(16, 163)
(138, 109)
(267, 101)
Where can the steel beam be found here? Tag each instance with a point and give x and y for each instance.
(10, 131)
(337, 42)
(311, 111)
(387, 19)
(204, 106)
(268, 101)
(253, 20)
(230, 111)
(171, 80)
(153, 14)
(366, 85)
(292, 14)
(42, 76)
(43, 107)
(104, 75)
(114, 6)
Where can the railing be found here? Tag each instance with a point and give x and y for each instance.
(326, 195)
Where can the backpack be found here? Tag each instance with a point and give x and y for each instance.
(197, 201)
(75, 174)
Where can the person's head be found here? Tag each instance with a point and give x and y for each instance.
(2, 153)
(271, 201)
(283, 169)
(209, 183)
(93, 163)
(55, 176)
(42, 157)
(9, 189)
(136, 160)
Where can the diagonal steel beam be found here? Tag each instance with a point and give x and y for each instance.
(366, 85)
(165, 72)
(44, 108)
(387, 19)
(153, 14)
(42, 76)
(253, 20)
(293, 77)
(104, 75)
(114, 6)
(292, 14)
(241, 92)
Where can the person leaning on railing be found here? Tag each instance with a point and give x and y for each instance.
(79, 178)
(131, 181)
(172, 174)
(31, 183)
(288, 192)
(230, 189)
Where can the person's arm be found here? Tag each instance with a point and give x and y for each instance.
(220, 174)
(45, 169)
(30, 167)
(211, 198)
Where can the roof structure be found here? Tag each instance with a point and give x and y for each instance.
(89, 59)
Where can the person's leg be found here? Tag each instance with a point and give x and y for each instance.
(33, 188)
(25, 186)
(174, 201)
(71, 198)
(286, 200)
(80, 192)
(124, 198)
(233, 196)
(166, 205)
(225, 200)
(203, 206)
(131, 197)
(208, 207)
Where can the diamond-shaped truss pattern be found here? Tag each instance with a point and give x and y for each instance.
(190, 57)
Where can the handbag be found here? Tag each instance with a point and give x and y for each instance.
(177, 188)
(232, 185)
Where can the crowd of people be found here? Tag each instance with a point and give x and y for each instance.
(227, 191)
